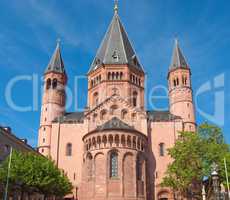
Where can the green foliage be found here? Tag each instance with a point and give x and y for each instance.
(193, 155)
(34, 173)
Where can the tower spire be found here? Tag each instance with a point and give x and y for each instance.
(56, 63)
(116, 6)
(178, 59)
(116, 47)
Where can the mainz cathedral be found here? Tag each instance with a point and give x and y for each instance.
(115, 149)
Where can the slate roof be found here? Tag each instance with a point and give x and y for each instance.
(178, 59)
(116, 47)
(116, 124)
(56, 63)
(163, 116)
(75, 117)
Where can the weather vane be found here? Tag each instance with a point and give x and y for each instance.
(116, 6)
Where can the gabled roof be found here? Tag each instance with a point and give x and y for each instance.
(178, 59)
(56, 63)
(116, 124)
(115, 47)
(161, 116)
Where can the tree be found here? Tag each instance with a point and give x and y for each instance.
(34, 173)
(193, 154)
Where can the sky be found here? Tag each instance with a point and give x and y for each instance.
(30, 29)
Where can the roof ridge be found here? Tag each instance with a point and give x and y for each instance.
(122, 41)
(109, 39)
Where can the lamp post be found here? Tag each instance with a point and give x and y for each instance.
(203, 193)
(215, 181)
(8, 174)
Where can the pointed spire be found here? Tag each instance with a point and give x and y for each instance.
(116, 47)
(56, 63)
(178, 60)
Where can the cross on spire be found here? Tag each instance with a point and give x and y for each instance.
(58, 41)
(116, 6)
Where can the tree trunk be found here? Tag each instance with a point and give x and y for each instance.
(22, 195)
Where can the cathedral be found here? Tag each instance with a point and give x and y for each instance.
(115, 149)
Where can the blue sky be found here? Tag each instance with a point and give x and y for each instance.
(29, 30)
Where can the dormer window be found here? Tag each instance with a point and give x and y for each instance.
(97, 61)
(135, 62)
(115, 56)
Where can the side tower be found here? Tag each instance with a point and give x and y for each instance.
(116, 68)
(54, 97)
(180, 89)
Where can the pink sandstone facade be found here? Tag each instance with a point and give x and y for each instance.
(115, 149)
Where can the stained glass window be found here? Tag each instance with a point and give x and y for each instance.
(114, 165)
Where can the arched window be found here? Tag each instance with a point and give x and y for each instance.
(129, 142)
(109, 76)
(117, 76)
(117, 140)
(98, 140)
(114, 165)
(139, 82)
(124, 114)
(95, 97)
(48, 83)
(102, 115)
(185, 80)
(139, 168)
(162, 149)
(133, 79)
(134, 143)
(174, 83)
(69, 149)
(163, 195)
(54, 83)
(110, 140)
(134, 98)
(113, 75)
(89, 165)
(104, 140)
(123, 140)
(177, 81)
(121, 75)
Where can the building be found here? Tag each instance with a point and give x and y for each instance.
(8, 140)
(115, 149)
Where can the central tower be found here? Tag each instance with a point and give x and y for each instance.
(116, 68)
